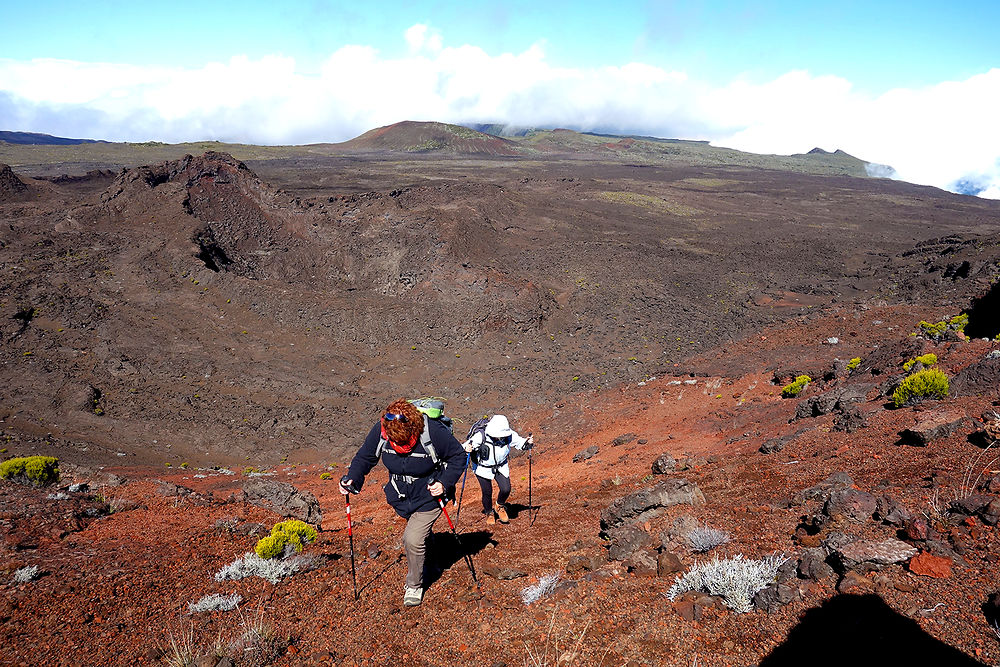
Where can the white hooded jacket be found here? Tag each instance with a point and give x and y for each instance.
(496, 462)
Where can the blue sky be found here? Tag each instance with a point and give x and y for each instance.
(770, 76)
(877, 45)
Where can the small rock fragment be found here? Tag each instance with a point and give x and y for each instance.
(929, 565)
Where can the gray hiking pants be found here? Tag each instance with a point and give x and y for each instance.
(418, 529)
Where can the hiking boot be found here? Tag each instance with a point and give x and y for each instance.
(491, 519)
(502, 514)
(413, 596)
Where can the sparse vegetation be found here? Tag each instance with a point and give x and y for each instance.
(286, 537)
(252, 565)
(215, 602)
(937, 330)
(181, 651)
(649, 202)
(736, 580)
(25, 574)
(325, 475)
(111, 502)
(555, 651)
(703, 538)
(793, 389)
(33, 470)
(545, 585)
(928, 383)
(853, 364)
(925, 360)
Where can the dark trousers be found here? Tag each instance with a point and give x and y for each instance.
(503, 483)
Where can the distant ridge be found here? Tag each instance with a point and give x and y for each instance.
(500, 129)
(36, 139)
(428, 137)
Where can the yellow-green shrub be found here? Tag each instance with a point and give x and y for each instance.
(927, 360)
(929, 382)
(34, 470)
(795, 388)
(271, 546)
(325, 475)
(936, 330)
(853, 363)
(292, 532)
(959, 322)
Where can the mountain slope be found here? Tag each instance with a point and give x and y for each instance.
(34, 138)
(423, 137)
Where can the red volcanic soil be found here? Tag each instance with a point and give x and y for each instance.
(116, 586)
(182, 326)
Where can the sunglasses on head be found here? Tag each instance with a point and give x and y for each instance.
(389, 416)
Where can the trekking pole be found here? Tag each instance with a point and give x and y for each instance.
(532, 522)
(458, 510)
(350, 537)
(468, 558)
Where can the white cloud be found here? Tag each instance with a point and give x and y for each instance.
(935, 135)
(422, 37)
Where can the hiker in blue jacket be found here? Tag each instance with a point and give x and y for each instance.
(423, 459)
(489, 447)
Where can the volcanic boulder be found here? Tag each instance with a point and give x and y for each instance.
(11, 187)
(864, 555)
(649, 502)
(979, 378)
(938, 425)
(284, 499)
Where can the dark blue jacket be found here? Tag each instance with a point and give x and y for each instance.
(409, 474)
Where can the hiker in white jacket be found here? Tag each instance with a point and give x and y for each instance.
(489, 448)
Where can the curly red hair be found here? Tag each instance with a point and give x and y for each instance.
(403, 432)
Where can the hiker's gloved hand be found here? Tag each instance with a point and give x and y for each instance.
(468, 446)
(529, 443)
(436, 489)
(347, 485)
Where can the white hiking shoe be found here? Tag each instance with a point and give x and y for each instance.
(413, 596)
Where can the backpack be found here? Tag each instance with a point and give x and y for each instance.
(483, 451)
(433, 408)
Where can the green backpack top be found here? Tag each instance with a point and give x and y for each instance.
(434, 409)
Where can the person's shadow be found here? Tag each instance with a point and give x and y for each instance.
(445, 551)
(515, 510)
(862, 630)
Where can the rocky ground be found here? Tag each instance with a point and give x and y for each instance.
(641, 321)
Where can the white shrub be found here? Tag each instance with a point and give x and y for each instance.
(703, 538)
(545, 585)
(25, 574)
(252, 565)
(736, 580)
(215, 602)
